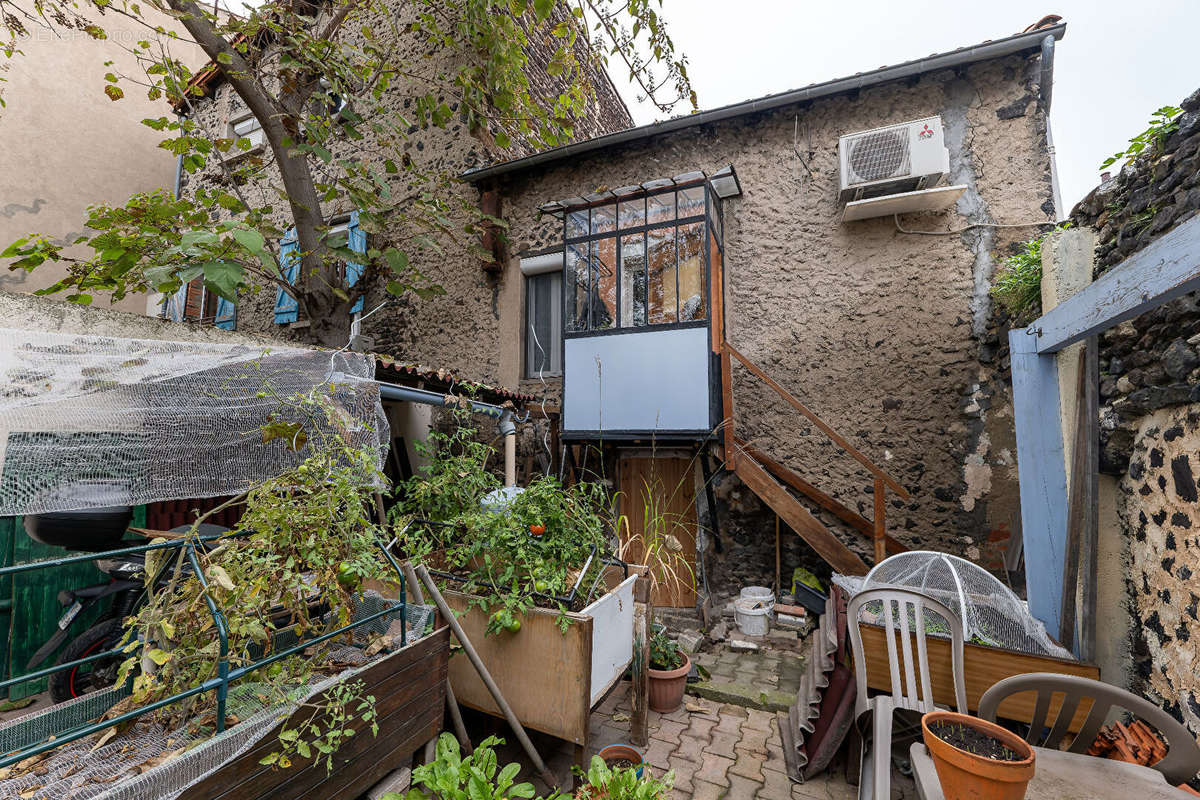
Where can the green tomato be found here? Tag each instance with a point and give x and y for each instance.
(540, 585)
(513, 625)
(347, 578)
(275, 670)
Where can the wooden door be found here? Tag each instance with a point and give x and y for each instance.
(658, 501)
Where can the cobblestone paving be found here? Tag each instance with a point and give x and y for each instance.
(768, 679)
(725, 752)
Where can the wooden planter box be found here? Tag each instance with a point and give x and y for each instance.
(410, 694)
(983, 667)
(550, 679)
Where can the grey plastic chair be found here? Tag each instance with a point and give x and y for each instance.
(875, 774)
(1182, 761)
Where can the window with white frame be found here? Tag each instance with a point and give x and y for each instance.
(246, 126)
(543, 315)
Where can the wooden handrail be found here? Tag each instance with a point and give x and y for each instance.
(829, 503)
(834, 436)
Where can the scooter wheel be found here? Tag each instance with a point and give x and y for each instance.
(84, 678)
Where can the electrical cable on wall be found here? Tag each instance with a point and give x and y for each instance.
(545, 388)
(965, 228)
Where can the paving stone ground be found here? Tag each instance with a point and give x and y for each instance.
(724, 752)
(718, 750)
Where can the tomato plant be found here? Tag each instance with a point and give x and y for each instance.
(531, 553)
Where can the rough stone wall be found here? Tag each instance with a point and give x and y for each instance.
(1159, 500)
(1150, 418)
(1150, 362)
(889, 337)
(460, 330)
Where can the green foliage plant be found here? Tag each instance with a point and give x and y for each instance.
(302, 534)
(1163, 123)
(510, 560)
(452, 776)
(1017, 285)
(657, 544)
(347, 94)
(664, 652)
(623, 783)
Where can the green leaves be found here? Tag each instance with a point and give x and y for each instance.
(1163, 123)
(471, 778)
(114, 92)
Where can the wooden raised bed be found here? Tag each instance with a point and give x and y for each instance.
(410, 694)
(551, 679)
(983, 667)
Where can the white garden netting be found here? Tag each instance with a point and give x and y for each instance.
(89, 421)
(991, 614)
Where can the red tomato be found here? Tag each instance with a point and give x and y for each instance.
(537, 530)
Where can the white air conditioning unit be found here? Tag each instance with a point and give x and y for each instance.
(899, 158)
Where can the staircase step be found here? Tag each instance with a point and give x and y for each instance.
(799, 518)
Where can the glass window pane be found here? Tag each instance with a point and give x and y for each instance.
(660, 207)
(633, 280)
(604, 283)
(633, 213)
(691, 202)
(538, 324)
(692, 296)
(660, 257)
(576, 274)
(577, 224)
(604, 219)
(714, 215)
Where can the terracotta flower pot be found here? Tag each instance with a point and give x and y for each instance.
(667, 686)
(967, 776)
(616, 753)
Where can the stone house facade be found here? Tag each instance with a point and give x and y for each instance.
(449, 331)
(882, 326)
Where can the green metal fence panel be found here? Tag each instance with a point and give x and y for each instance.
(34, 598)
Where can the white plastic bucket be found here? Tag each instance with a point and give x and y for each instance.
(751, 616)
(761, 593)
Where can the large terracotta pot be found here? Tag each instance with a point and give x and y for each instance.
(967, 776)
(667, 686)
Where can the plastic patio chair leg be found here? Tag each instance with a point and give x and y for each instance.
(881, 751)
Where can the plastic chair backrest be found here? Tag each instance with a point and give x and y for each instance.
(1182, 761)
(909, 605)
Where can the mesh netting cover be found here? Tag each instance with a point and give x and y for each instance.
(149, 761)
(88, 421)
(991, 614)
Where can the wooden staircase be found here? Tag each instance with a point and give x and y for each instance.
(771, 480)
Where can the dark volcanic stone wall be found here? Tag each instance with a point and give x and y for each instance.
(1159, 501)
(1150, 362)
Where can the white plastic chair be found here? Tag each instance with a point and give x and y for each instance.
(875, 774)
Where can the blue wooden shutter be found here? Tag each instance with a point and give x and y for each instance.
(356, 241)
(226, 315)
(285, 305)
(175, 304)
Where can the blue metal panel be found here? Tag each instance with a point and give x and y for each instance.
(1042, 474)
(286, 307)
(652, 381)
(358, 243)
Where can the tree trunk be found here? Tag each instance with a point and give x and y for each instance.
(328, 314)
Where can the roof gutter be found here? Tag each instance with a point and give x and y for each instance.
(967, 55)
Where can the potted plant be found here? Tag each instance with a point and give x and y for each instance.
(976, 759)
(621, 756)
(668, 671)
(604, 782)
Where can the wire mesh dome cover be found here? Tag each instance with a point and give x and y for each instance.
(990, 612)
